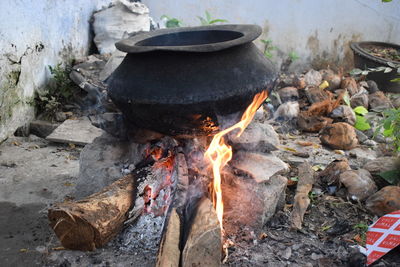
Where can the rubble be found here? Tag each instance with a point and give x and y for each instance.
(350, 85)
(333, 171)
(339, 135)
(259, 166)
(359, 100)
(287, 94)
(313, 77)
(384, 201)
(344, 113)
(359, 183)
(378, 100)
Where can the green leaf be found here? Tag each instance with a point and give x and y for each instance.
(361, 123)
(386, 1)
(354, 72)
(360, 110)
(208, 16)
(387, 70)
(218, 20)
(392, 177)
(364, 72)
(173, 23)
(395, 80)
(203, 21)
(391, 64)
(388, 132)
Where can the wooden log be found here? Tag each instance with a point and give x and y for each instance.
(301, 200)
(203, 246)
(90, 223)
(169, 252)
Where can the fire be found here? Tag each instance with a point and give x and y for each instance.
(219, 153)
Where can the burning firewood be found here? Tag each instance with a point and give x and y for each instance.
(301, 200)
(91, 222)
(203, 245)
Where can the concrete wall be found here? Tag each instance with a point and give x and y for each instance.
(33, 35)
(319, 31)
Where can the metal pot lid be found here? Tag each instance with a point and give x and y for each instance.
(191, 39)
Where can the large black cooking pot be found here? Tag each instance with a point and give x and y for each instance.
(177, 81)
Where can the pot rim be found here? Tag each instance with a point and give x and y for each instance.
(357, 48)
(249, 33)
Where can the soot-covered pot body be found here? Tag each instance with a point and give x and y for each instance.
(177, 81)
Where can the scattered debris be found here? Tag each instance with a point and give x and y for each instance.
(384, 201)
(339, 135)
(359, 183)
(301, 200)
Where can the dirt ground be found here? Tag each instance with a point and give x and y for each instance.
(35, 173)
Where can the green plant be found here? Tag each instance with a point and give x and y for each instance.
(293, 56)
(361, 122)
(391, 126)
(58, 92)
(361, 228)
(208, 20)
(172, 22)
(268, 48)
(360, 112)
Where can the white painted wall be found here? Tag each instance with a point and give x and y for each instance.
(33, 35)
(317, 30)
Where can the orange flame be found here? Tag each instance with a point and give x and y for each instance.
(220, 153)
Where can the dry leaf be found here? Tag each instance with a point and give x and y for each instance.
(338, 151)
(16, 143)
(68, 184)
(288, 149)
(23, 250)
(305, 143)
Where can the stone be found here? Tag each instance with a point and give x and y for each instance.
(313, 77)
(350, 85)
(344, 113)
(259, 166)
(256, 133)
(265, 199)
(359, 100)
(359, 183)
(117, 22)
(381, 164)
(330, 175)
(312, 124)
(80, 132)
(361, 136)
(363, 155)
(396, 102)
(287, 111)
(339, 135)
(101, 163)
(315, 94)
(332, 78)
(287, 94)
(372, 87)
(299, 82)
(378, 100)
(42, 128)
(384, 201)
(60, 116)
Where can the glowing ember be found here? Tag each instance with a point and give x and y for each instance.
(220, 153)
